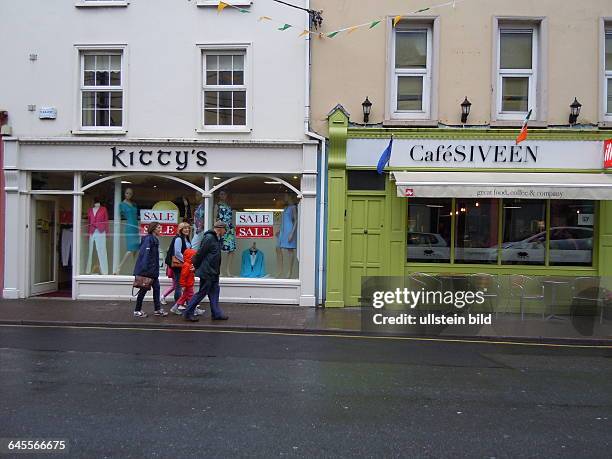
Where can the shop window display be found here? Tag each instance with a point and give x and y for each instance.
(476, 230)
(262, 238)
(115, 211)
(429, 230)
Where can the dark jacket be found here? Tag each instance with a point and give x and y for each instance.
(207, 261)
(170, 253)
(147, 263)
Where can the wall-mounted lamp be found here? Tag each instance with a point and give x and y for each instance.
(465, 110)
(574, 111)
(367, 106)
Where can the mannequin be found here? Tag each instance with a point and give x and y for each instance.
(224, 212)
(129, 211)
(287, 237)
(184, 209)
(199, 221)
(97, 228)
(253, 262)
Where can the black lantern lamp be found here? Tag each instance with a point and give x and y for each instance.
(465, 110)
(367, 107)
(574, 111)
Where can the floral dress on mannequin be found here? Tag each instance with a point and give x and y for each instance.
(224, 213)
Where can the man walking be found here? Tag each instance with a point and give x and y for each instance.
(207, 266)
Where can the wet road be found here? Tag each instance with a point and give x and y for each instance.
(147, 393)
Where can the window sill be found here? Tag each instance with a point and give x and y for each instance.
(605, 125)
(242, 130)
(105, 133)
(101, 3)
(517, 124)
(410, 123)
(231, 3)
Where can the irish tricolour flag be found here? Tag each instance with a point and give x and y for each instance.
(523, 134)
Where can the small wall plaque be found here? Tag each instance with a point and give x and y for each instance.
(47, 113)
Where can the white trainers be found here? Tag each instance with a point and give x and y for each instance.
(162, 300)
(199, 312)
(140, 314)
(175, 310)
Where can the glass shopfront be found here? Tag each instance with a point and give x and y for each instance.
(501, 231)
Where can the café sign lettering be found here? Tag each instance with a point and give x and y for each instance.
(458, 153)
(179, 159)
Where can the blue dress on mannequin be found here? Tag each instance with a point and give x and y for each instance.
(132, 236)
(287, 224)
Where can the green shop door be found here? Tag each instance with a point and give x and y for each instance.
(365, 247)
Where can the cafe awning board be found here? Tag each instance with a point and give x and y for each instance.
(499, 185)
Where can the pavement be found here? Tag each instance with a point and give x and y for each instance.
(295, 319)
(134, 393)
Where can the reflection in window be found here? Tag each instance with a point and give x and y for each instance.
(429, 230)
(571, 232)
(476, 229)
(524, 231)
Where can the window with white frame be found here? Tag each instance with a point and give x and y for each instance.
(101, 98)
(411, 72)
(517, 72)
(608, 74)
(224, 89)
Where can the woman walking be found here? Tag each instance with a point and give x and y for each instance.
(178, 245)
(147, 265)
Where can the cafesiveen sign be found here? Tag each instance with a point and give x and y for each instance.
(177, 159)
(427, 153)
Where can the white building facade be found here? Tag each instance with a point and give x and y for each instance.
(123, 112)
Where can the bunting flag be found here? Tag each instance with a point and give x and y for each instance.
(370, 24)
(523, 134)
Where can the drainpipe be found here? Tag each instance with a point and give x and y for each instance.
(3, 119)
(322, 172)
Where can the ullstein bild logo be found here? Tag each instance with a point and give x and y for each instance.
(608, 154)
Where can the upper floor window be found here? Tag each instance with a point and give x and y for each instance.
(101, 90)
(608, 73)
(225, 89)
(517, 78)
(411, 71)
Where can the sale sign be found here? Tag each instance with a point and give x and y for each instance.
(258, 225)
(608, 154)
(167, 229)
(160, 216)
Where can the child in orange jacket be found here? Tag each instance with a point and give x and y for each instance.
(187, 282)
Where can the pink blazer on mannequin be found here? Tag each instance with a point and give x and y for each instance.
(99, 221)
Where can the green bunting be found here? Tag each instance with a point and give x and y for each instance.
(285, 27)
(374, 24)
(333, 34)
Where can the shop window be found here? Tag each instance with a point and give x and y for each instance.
(263, 217)
(53, 181)
(571, 232)
(112, 219)
(608, 74)
(516, 71)
(476, 230)
(524, 232)
(411, 71)
(429, 230)
(102, 90)
(365, 180)
(225, 89)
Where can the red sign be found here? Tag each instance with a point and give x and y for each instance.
(608, 154)
(408, 192)
(260, 232)
(167, 229)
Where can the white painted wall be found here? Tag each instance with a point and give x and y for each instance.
(163, 64)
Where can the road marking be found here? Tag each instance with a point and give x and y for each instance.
(323, 335)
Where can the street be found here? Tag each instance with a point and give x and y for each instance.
(171, 393)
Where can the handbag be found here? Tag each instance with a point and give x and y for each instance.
(142, 282)
(176, 263)
(169, 272)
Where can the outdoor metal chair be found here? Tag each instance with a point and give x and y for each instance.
(489, 285)
(526, 288)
